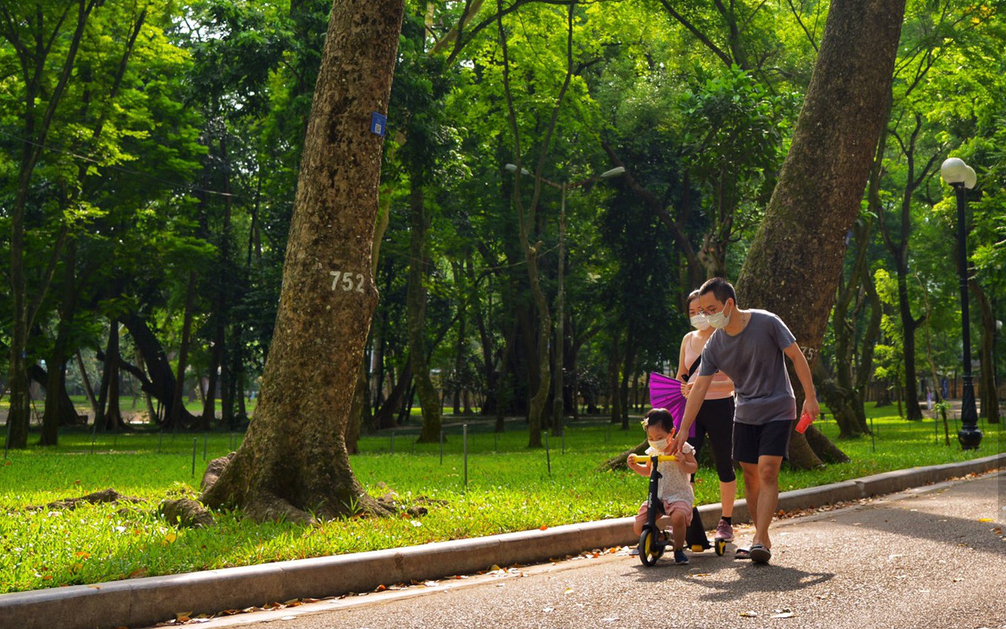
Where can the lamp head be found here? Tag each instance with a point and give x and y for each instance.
(614, 172)
(955, 171)
(970, 178)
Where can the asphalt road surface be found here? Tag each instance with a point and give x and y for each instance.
(933, 557)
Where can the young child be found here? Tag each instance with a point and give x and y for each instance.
(674, 488)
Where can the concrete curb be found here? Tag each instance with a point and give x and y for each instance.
(147, 601)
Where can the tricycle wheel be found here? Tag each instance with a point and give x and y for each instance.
(721, 547)
(650, 547)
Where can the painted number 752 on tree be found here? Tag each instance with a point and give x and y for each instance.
(349, 281)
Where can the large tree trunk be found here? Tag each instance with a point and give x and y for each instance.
(854, 370)
(460, 348)
(614, 396)
(159, 380)
(795, 260)
(294, 456)
(55, 396)
(415, 304)
(56, 413)
(989, 396)
(109, 415)
(846, 399)
(86, 382)
(385, 416)
(909, 324)
(27, 37)
(899, 251)
(491, 383)
(628, 370)
(177, 403)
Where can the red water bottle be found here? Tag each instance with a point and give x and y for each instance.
(805, 421)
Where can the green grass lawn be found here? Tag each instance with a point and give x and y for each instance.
(509, 488)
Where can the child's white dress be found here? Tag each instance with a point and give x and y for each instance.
(674, 485)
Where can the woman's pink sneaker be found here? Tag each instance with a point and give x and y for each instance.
(724, 531)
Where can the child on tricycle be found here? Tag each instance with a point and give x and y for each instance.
(671, 496)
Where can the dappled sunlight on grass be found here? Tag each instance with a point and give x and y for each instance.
(509, 488)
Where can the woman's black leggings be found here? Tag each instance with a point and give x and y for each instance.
(716, 419)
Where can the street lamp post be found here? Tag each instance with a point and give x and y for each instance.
(962, 178)
(558, 408)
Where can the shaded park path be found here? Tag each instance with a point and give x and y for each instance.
(928, 557)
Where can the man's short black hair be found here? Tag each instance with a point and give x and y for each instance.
(720, 288)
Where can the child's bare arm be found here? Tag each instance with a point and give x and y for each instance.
(643, 469)
(687, 463)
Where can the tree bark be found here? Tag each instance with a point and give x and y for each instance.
(86, 380)
(109, 416)
(294, 456)
(415, 304)
(66, 413)
(55, 411)
(614, 395)
(795, 259)
(177, 403)
(987, 377)
(33, 48)
(159, 381)
(385, 416)
(899, 251)
(628, 369)
(463, 299)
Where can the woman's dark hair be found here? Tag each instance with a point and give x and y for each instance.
(658, 417)
(692, 296)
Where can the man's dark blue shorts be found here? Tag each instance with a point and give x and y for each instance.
(771, 439)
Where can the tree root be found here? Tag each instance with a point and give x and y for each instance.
(99, 497)
(186, 513)
(617, 462)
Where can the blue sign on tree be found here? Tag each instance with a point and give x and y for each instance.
(378, 123)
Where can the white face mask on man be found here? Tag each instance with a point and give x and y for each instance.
(719, 320)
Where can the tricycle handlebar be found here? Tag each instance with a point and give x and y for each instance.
(643, 458)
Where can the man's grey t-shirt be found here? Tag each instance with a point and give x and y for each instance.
(754, 360)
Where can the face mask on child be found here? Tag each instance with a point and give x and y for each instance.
(659, 446)
(699, 322)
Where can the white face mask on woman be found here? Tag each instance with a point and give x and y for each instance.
(700, 322)
(719, 320)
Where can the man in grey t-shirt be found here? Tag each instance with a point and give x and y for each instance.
(749, 346)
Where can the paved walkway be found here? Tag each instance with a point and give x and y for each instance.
(930, 557)
(811, 552)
